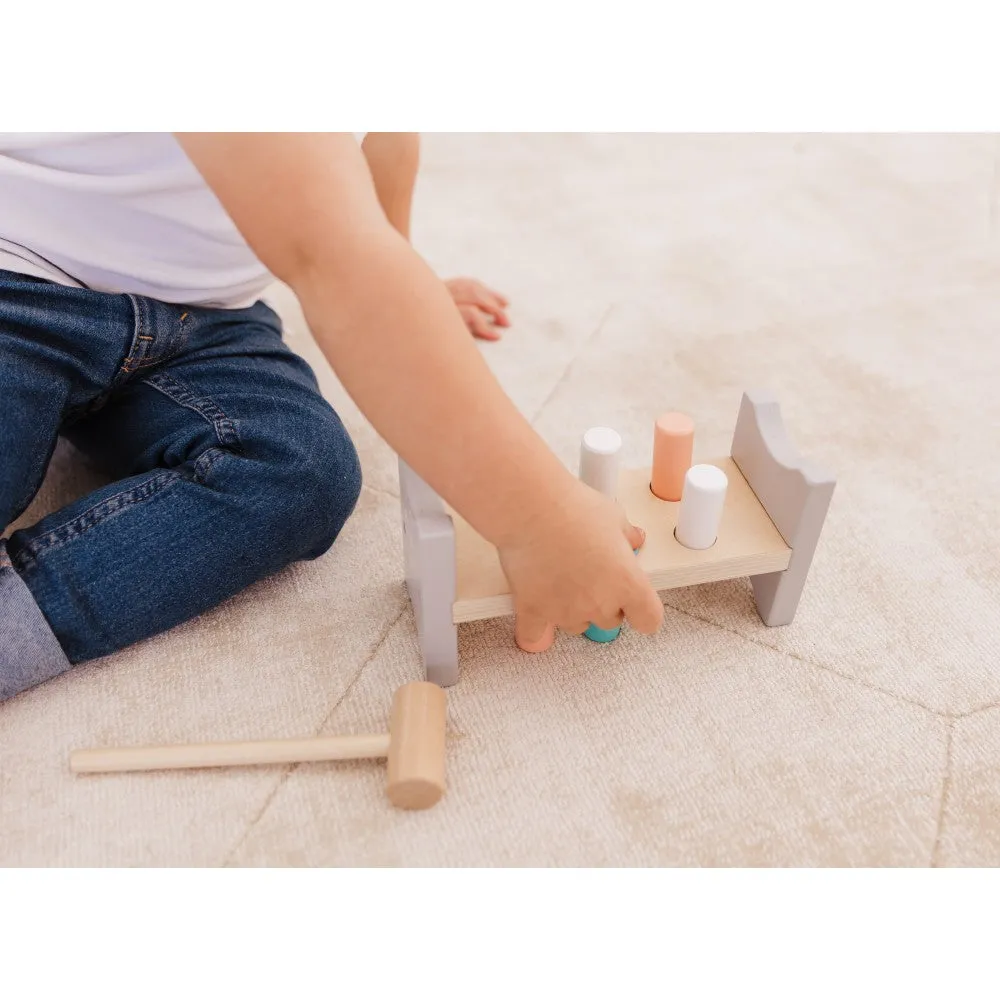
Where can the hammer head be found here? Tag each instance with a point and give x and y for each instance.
(417, 745)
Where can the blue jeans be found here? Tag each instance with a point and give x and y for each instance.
(227, 464)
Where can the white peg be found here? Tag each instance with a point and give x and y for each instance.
(600, 454)
(702, 502)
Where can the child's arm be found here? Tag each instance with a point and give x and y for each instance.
(306, 204)
(394, 159)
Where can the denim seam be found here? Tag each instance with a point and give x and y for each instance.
(150, 346)
(26, 557)
(207, 409)
(204, 464)
(140, 339)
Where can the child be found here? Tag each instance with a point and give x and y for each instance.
(131, 266)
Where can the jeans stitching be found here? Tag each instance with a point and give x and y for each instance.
(26, 557)
(146, 340)
(205, 462)
(140, 339)
(199, 469)
(207, 409)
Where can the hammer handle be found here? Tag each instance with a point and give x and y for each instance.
(156, 758)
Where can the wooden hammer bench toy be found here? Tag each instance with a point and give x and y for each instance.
(756, 513)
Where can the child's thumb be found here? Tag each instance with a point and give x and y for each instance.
(636, 536)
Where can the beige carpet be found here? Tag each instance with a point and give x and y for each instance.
(857, 277)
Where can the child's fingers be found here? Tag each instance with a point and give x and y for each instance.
(490, 303)
(533, 634)
(478, 324)
(470, 292)
(609, 622)
(636, 536)
(644, 609)
(466, 289)
(494, 312)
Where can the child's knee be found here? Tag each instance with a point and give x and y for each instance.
(294, 480)
(321, 485)
(335, 488)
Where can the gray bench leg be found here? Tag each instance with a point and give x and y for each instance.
(796, 494)
(429, 556)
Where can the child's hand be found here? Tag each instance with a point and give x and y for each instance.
(482, 309)
(579, 567)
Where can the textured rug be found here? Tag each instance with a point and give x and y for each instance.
(854, 276)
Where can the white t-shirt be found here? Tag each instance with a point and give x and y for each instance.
(121, 212)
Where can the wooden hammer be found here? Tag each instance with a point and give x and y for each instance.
(415, 747)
